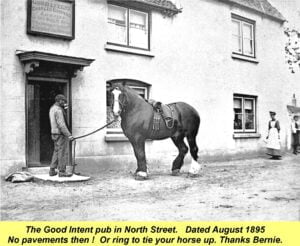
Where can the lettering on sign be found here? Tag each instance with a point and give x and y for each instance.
(51, 18)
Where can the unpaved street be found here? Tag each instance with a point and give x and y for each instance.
(257, 189)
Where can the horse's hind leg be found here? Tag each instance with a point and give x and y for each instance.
(193, 147)
(195, 166)
(183, 149)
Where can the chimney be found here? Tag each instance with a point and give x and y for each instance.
(294, 100)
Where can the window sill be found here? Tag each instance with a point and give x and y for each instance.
(116, 138)
(246, 135)
(244, 58)
(116, 48)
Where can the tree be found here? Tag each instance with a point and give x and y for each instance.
(292, 49)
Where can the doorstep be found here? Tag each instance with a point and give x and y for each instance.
(73, 178)
(42, 173)
(37, 170)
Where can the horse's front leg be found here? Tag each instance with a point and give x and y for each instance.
(139, 151)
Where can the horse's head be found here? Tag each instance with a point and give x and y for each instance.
(119, 99)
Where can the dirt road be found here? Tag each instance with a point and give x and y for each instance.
(257, 189)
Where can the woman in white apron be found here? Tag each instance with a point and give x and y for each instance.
(273, 138)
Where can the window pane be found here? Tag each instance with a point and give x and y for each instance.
(249, 124)
(138, 29)
(247, 31)
(238, 117)
(248, 39)
(236, 28)
(248, 47)
(141, 91)
(249, 114)
(237, 103)
(236, 36)
(248, 104)
(236, 44)
(238, 121)
(117, 24)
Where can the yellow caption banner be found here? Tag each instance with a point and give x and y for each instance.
(149, 233)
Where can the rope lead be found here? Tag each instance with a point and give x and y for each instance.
(83, 136)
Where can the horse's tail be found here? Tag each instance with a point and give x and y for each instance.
(190, 121)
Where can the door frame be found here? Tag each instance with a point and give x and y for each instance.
(69, 113)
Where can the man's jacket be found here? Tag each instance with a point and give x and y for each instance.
(57, 121)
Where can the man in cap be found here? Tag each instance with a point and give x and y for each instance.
(60, 135)
(295, 132)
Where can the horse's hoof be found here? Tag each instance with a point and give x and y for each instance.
(193, 175)
(176, 172)
(141, 176)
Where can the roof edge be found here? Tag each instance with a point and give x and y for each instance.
(275, 18)
(154, 6)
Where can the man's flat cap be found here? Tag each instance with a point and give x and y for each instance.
(60, 97)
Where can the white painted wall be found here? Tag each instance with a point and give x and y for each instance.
(192, 63)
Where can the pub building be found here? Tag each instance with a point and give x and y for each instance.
(225, 58)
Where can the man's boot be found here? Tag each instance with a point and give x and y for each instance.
(64, 174)
(52, 172)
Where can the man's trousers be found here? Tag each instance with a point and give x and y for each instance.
(60, 153)
(295, 141)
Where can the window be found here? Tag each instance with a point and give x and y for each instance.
(243, 41)
(244, 109)
(128, 27)
(115, 129)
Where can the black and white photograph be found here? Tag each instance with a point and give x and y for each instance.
(150, 110)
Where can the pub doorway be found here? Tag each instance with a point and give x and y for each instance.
(40, 97)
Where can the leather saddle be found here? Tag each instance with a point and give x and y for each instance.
(166, 112)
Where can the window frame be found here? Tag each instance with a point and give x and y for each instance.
(243, 99)
(139, 87)
(148, 24)
(242, 20)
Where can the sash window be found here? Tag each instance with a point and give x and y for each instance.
(128, 27)
(244, 110)
(243, 40)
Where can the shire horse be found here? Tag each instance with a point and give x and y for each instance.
(137, 119)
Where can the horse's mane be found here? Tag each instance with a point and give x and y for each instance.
(132, 97)
(127, 90)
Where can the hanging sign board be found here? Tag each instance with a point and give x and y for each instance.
(51, 17)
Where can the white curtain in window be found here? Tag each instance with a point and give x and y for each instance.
(138, 29)
(117, 25)
(248, 105)
(237, 103)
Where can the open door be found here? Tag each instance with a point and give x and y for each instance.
(40, 97)
(47, 75)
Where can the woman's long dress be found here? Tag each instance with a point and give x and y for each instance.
(273, 142)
